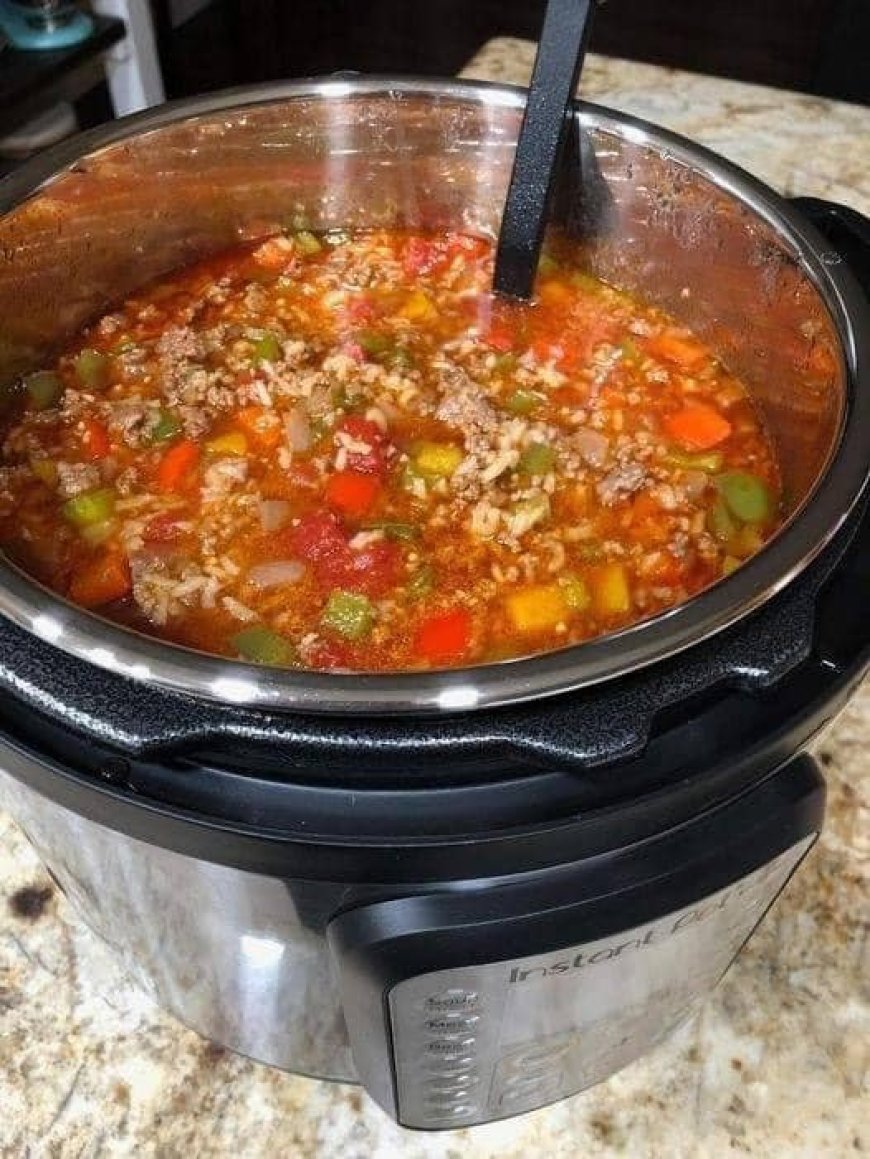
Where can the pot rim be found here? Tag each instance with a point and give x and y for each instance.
(827, 508)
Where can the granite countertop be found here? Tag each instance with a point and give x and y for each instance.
(776, 1063)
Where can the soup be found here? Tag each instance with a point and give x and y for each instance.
(340, 451)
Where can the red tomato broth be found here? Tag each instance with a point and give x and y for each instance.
(456, 479)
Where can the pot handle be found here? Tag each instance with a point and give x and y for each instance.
(845, 228)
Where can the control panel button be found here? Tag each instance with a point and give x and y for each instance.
(453, 999)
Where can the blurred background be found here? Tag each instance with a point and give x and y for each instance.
(813, 45)
(65, 63)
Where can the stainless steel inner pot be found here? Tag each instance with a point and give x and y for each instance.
(96, 217)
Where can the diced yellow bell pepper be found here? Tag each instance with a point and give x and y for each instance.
(537, 608)
(730, 564)
(611, 595)
(44, 470)
(418, 307)
(232, 443)
(437, 460)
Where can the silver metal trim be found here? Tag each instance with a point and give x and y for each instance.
(37, 610)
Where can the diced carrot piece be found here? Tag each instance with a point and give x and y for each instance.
(683, 352)
(95, 439)
(698, 427)
(176, 464)
(444, 636)
(261, 425)
(101, 580)
(351, 493)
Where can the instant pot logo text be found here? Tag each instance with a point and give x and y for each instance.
(746, 894)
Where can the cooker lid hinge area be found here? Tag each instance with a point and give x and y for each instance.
(472, 1005)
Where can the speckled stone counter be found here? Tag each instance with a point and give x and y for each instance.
(776, 1064)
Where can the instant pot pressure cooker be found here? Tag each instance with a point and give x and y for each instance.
(474, 891)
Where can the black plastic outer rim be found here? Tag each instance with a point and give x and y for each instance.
(835, 497)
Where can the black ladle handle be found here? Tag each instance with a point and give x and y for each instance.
(539, 149)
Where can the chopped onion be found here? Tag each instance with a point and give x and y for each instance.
(298, 429)
(274, 514)
(593, 446)
(282, 571)
(694, 484)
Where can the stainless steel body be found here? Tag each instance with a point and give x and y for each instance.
(94, 219)
(228, 953)
(245, 960)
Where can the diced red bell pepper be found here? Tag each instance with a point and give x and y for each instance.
(352, 493)
(95, 440)
(176, 465)
(376, 460)
(444, 636)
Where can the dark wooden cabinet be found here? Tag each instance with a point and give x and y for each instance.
(820, 46)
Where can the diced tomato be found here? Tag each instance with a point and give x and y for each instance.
(352, 493)
(354, 350)
(374, 461)
(444, 636)
(546, 350)
(95, 440)
(567, 396)
(330, 654)
(360, 311)
(320, 539)
(318, 536)
(464, 243)
(375, 570)
(421, 256)
(162, 528)
(101, 580)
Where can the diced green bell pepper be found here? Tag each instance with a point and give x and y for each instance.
(92, 369)
(44, 389)
(165, 428)
(263, 646)
(95, 506)
(349, 614)
(406, 532)
(307, 243)
(746, 496)
(522, 402)
(720, 523)
(374, 343)
(533, 510)
(421, 583)
(703, 461)
(267, 348)
(536, 459)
